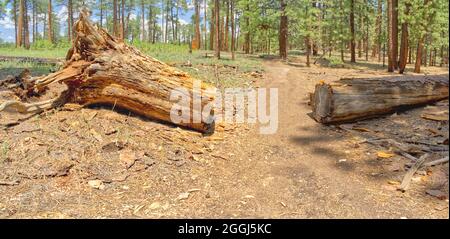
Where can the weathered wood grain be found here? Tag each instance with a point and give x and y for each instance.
(352, 99)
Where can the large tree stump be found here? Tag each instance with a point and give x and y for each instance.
(101, 69)
(353, 99)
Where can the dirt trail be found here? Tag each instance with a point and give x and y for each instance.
(296, 172)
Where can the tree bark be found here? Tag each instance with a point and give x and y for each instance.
(354, 99)
(143, 33)
(283, 35)
(26, 29)
(421, 41)
(247, 32)
(122, 23)
(376, 50)
(205, 24)
(21, 23)
(115, 19)
(50, 22)
(404, 43)
(212, 28)
(70, 20)
(16, 22)
(393, 35)
(217, 28)
(101, 69)
(233, 30)
(196, 42)
(352, 31)
(226, 28)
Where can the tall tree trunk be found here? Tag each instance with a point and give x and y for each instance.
(196, 43)
(308, 50)
(50, 22)
(376, 50)
(419, 54)
(352, 31)
(122, 24)
(212, 29)
(283, 35)
(115, 19)
(129, 10)
(149, 24)
(391, 36)
(247, 32)
(143, 33)
(101, 13)
(222, 32)
(178, 22)
(166, 31)
(21, 23)
(33, 19)
(233, 30)
(173, 23)
(16, 22)
(404, 43)
(360, 28)
(395, 33)
(217, 39)
(227, 27)
(154, 32)
(205, 22)
(366, 39)
(26, 30)
(409, 53)
(70, 20)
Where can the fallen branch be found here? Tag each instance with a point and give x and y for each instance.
(407, 179)
(432, 163)
(9, 183)
(436, 162)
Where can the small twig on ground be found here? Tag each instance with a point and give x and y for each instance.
(409, 156)
(407, 179)
(436, 162)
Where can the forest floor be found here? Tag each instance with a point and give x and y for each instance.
(101, 162)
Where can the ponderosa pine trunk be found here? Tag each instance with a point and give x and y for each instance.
(283, 35)
(391, 36)
(196, 42)
(50, 22)
(247, 32)
(404, 43)
(233, 30)
(395, 34)
(376, 49)
(115, 19)
(420, 44)
(26, 29)
(352, 31)
(217, 28)
(21, 23)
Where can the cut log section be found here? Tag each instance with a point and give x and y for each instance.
(353, 99)
(101, 69)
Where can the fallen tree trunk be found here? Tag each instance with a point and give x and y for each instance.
(353, 99)
(101, 69)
